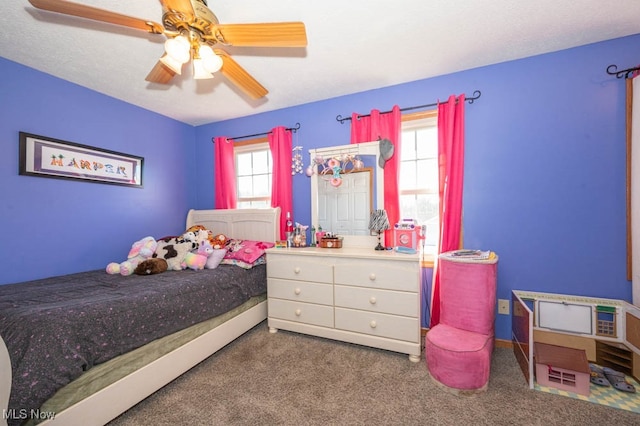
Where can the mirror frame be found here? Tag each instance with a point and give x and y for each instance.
(364, 148)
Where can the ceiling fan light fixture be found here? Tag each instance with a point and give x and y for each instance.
(212, 62)
(178, 48)
(171, 63)
(199, 70)
(188, 25)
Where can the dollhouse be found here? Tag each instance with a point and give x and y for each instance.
(607, 330)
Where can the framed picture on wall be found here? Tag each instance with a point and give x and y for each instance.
(53, 158)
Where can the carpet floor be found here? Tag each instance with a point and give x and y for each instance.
(293, 379)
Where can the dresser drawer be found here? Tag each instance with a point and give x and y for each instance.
(381, 325)
(298, 268)
(300, 312)
(301, 291)
(384, 301)
(378, 274)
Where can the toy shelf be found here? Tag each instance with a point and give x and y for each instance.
(614, 355)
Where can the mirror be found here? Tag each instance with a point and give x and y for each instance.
(345, 208)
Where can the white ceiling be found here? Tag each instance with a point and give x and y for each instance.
(353, 46)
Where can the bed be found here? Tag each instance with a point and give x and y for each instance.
(109, 387)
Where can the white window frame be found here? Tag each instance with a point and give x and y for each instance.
(414, 122)
(247, 147)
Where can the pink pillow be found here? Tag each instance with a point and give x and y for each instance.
(215, 258)
(246, 251)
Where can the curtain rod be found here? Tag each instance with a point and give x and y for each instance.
(293, 129)
(476, 95)
(613, 70)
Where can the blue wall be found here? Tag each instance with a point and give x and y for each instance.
(52, 226)
(544, 172)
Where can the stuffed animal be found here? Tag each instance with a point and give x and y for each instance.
(215, 258)
(219, 241)
(202, 234)
(151, 266)
(140, 250)
(198, 260)
(194, 228)
(173, 250)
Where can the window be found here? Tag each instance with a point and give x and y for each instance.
(253, 173)
(418, 185)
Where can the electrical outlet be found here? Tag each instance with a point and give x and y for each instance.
(503, 306)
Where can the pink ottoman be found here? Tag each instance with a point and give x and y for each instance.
(459, 359)
(458, 349)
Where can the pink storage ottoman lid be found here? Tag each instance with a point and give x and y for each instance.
(468, 292)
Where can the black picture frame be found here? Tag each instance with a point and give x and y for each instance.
(43, 156)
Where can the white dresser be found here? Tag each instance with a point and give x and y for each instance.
(355, 295)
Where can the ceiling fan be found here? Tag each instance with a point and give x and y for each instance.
(194, 33)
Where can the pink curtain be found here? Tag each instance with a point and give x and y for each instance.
(383, 126)
(633, 176)
(224, 175)
(280, 145)
(451, 174)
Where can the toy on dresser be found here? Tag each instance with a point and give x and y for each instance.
(406, 235)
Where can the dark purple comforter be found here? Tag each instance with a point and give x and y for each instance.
(57, 328)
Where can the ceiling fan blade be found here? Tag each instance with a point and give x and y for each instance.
(89, 12)
(160, 74)
(240, 77)
(274, 34)
(183, 6)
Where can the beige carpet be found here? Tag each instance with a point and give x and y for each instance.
(293, 379)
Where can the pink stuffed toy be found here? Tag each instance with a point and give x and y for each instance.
(140, 250)
(198, 260)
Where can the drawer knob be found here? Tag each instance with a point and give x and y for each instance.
(298, 312)
(296, 291)
(372, 276)
(296, 270)
(373, 324)
(372, 300)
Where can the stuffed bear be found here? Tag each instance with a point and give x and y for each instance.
(173, 250)
(151, 266)
(198, 260)
(140, 250)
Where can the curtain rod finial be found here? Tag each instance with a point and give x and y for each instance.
(476, 95)
(629, 72)
(340, 119)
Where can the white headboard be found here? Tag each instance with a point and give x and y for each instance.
(242, 224)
